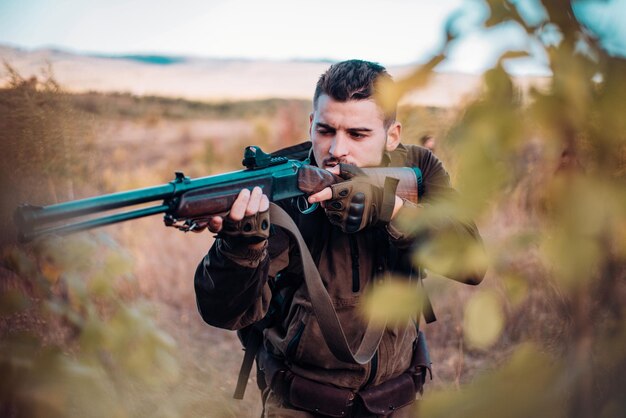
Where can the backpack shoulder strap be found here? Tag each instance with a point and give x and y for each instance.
(411, 157)
(427, 307)
(252, 343)
(295, 152)
(251, 336)
(325, 313)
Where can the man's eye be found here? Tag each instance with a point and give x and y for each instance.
(324, 131)
(357, 135)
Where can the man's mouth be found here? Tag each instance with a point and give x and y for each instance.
(332, 165)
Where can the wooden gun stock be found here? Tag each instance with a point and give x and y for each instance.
(410, 179)
(313, 179)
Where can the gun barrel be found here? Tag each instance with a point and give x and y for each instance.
(33, 221)
(28, 215)
(27, 234)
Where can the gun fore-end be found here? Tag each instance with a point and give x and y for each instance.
(199, 206)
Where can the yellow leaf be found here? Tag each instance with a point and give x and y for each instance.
(50, 271)
(516, 288)
(394, 300)
(483, 319)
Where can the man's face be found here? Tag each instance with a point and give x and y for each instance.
(351, 132)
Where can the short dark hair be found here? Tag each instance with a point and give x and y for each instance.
(353, 80)
(424, 139)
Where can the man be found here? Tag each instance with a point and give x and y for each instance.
(237, 283)
(428, 141)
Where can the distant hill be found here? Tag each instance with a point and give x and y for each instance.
(147, 59)
(211, 79)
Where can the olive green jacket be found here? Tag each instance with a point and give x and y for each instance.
(233, 285)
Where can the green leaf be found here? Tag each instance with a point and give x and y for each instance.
(483, 319)
(396, 299)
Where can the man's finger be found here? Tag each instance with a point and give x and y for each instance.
(254, 202)
(240, 204)
(336, 169)
(199, 227)
(215, 224)
(325, 194)
(265, 203)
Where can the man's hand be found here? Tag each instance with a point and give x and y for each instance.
(248, 219)
(327, 194)
(354, 204)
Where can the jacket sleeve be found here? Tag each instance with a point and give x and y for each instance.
(449, 234)
(231, 288)
(232, 284)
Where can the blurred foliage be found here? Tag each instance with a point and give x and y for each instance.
(552, 163)
(75, 346)
(484, 320)
(391, 302)
(74, 338)
(128, 106)
(46, 144)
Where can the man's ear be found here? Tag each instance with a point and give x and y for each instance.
(393, 136)
(310, 124)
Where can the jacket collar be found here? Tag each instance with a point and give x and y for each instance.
(395, 158)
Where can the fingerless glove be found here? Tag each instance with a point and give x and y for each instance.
(357, 204)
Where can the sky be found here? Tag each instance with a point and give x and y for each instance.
(391, 32)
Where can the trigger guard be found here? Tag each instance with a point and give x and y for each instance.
(304, 207)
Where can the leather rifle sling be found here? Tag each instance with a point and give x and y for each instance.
(322, 305)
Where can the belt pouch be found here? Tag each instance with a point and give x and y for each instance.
(269, 366)
(420, 362)
(421, 356)
(322, 399)
(389, 396)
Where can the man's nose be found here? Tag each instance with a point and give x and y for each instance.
(339, 146)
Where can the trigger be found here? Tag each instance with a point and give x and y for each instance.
(304, 206)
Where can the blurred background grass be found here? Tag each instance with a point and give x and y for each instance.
(105, 323)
